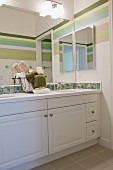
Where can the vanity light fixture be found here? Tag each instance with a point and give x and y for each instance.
(1, 3)
(52, 8)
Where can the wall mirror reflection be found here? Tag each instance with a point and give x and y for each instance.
(18, 30)
(85, 48)
(66, 53)
(45, 55)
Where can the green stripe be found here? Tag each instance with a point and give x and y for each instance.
(56, 49)
(91, 7)
(98, 34)
(17, 54)
(46, 56)
(13, 40)
(84, 44)
(61, 24)
(46, 40)
(61, 42)
(68, 26)
(44, 44)
(17, 36)
(55, 27)
(93, 14)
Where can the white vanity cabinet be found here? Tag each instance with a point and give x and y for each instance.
(67, 127)
(72, 121)
(32, 129)
(23, 136)
(92, 121)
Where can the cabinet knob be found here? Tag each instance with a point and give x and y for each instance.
(46, 115)
(93, 112)
(93, 131)
(51, 115)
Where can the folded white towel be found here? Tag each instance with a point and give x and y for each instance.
(20, 75)
(42, 91)
(39, 70)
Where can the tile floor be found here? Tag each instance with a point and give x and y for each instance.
(94, 158)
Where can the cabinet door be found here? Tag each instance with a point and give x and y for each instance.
(67, 127)
(23, 138)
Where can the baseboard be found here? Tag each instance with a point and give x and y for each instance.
(104, 142)
(52, 157)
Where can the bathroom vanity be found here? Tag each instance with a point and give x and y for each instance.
(47, 126)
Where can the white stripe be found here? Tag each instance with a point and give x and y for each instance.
(47, 51)
(15, 38)
(63, 26)
(92, 11)
(18, 48)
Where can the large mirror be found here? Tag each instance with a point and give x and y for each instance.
(18, 29)
(45, 55)
(85, 58)
(66, 53)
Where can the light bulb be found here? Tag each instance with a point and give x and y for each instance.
(54, 14)
(60, 10)
(1, 2)
(54, 9)
(46, 9)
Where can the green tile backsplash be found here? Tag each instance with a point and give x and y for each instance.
(63, 86)
(10, 89)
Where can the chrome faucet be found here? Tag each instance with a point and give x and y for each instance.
(59, 86)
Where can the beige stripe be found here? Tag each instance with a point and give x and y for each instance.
(102, 33)
(46, 59)
(102, 39)
(18, 58)
(56, 48)
(100, 28)
(16, 51)
(61, 57)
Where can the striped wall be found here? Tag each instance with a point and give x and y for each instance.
(12, 50)
(68, 28)
(101, 31)
(17, 49)
(15, 54)
(46, 51)
(91, 18)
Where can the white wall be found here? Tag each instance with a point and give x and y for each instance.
(45, 23)
(101, 73)
(17, 22)
(79, 5)
(35, 5)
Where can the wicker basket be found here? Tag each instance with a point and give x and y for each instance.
(26, 86)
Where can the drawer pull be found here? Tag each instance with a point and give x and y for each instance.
(46, 115)
(93, 131)
(93, 112)
(51, 115)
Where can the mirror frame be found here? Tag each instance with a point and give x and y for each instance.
(73, 49)
(93, 42)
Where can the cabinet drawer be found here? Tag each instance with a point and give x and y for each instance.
(71, 100)
(91, 111)
(91, 130)
(22, 107)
